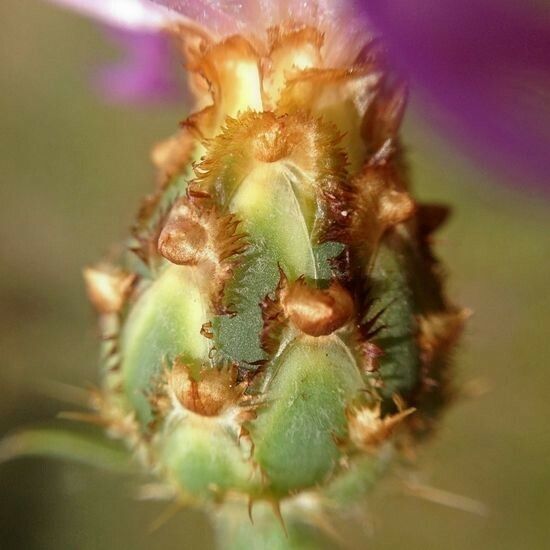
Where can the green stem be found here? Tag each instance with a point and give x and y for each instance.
(235, 531)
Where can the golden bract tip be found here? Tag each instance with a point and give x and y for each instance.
(368, 429)
(107, 287)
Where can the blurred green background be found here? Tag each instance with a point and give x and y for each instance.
(72, 171)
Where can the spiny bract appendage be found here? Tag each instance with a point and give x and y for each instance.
(277, 331)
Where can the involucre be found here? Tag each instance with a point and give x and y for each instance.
(276, 334)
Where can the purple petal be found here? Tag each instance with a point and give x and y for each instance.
(219, 19)
(484, 66)
(142, 15)
(223, 17)
(146, 73)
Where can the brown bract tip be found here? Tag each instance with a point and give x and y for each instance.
(254, 140)
(120, 424)
(367, 429)
(107, 287)
(273, 316)
(383, 118)
(381, 202)
(230, 73)
(317, 312)
(211, 392)
(197, 234)
(381, 193)
(439, 332)
(292, 49)
(171, 155)
(184, 238)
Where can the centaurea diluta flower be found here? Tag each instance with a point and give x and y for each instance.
(276, 334)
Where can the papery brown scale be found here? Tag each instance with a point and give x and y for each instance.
(341, 97)
(151, 219)
(196, 234)
(172, 155)
(169, 157)
(381, 202)
(317, 312)
(191, 41)
(211, 66)
(291, 50)
(217, 66)
(209, 393)
(120, 424)
(107, 288)
(184, 238)
(273, 317)
(383, 118)
(439, 332)
(311, 88)
(368, 429)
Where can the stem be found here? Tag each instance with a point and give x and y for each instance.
(235, 531)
